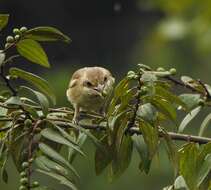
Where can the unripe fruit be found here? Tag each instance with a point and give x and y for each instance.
(7, 45)
(160, 69)
(25, 165)
(16, 31)
(23, 174)
(23, 29)
(22, 187)
(31, 160)
(17, 37)
(10, 39)
(24, 181)
(173, 71)
(28, 123)
(35, 184)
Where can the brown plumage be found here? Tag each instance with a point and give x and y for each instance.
(88, 89)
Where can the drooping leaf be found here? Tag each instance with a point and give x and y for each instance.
(43, 101)
(48, 151)
(33, 51)
(143, 153)
(188, 118)
(121, 87)
(204, 170)
(165, 107)
(56, 137)
(204, 124)
(169, 96)
(103, 158)
(191, 100)
(80, 141)
(61, 179)
(46, 33)
(3, 20)
(122, 158)
(49, 165)
(38, 82)
(188, 164)
(150, 135)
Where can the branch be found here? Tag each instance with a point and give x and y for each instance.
(6, 80)
(177, 82)
(136, 130)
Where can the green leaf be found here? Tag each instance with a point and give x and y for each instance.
(147, 112)
(60, 178)
(188, 165)
(169, 96)
(33, 51)
(3, 20)
(204, 124)
(14, 100)
(45, 33)
(103, 158)
(80, 141)
(164, 106)
(56, 137)
(143, 153)
(37, 81)
(43, 101)
(191, 100)
(204, 170)
(48, 151)
(49, 165)
(92, 137)
(121, 87)
(122, 158)
(188, 118)
(180, 183)
(150, 135)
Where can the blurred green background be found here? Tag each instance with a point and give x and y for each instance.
(117, 35)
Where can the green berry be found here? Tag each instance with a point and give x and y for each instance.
(16, 31)
(23, 174)
(7, 45)
(17, 37)
(22, 187)
(25, 165)
(28, 122)
(24, 181)
(173, 71)
(31, 160)
(10, 39)
(35, 184)
(160, 69)
(23, 29)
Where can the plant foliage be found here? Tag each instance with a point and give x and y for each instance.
(144, 105)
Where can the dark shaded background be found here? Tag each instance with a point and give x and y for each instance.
(117, 35)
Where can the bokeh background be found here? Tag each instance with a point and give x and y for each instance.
(116, 35)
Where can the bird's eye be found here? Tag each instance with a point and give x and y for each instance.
(105, 79)
(88, 84)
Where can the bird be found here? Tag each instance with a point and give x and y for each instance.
(89, 89)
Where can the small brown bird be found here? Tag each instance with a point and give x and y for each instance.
(89, 89)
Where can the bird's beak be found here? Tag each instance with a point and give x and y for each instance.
(99, 88)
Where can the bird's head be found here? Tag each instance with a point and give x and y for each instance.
(97, 81)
